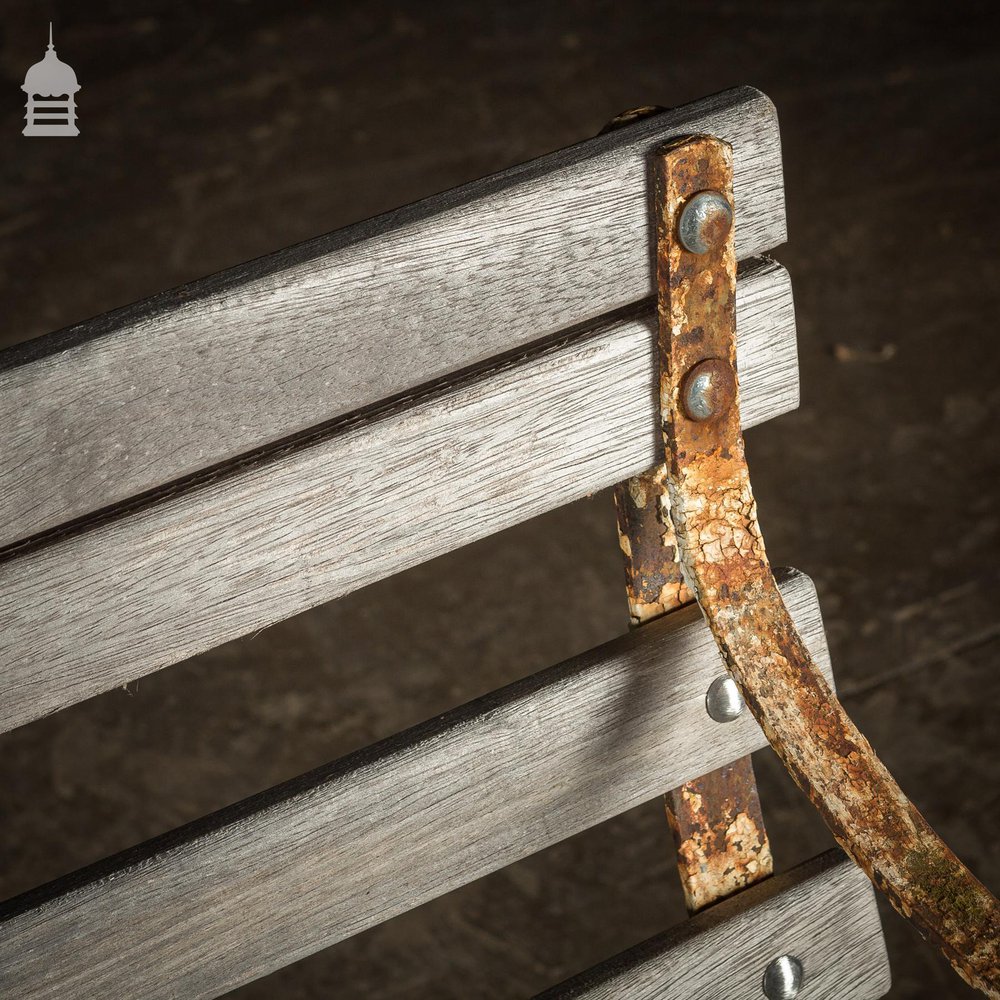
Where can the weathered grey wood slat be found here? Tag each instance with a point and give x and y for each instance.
(823, 912)
(99, 608)
(154, 392)
(273, 879)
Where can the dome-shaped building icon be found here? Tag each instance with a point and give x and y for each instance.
(51, 87)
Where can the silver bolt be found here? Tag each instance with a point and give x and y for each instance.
(709, 389)
(723, 700)
(705, 222)
(783, 978)
(697, 400)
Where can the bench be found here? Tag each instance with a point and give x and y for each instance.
(203, 464)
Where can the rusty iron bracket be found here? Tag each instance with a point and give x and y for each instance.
(724, 564)
(716, 821)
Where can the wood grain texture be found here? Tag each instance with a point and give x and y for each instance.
(275, 878)
(823, 912)
(98, 608)
(194, 377)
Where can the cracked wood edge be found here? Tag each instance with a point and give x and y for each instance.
(270, 880)
(200, 375)
(96, 609)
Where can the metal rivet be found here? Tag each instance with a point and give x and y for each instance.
(783, 978)
(709, 389)
(705, 222)
(723, 700)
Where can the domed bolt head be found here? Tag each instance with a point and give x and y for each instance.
(709, 389)
(723, 701)
(783, 978)
(705, 222)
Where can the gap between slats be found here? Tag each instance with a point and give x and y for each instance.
(277, 877)
(114, 602)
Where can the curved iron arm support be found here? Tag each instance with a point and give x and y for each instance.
(725, 565)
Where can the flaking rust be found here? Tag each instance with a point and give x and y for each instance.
(716, 819)
(724, 562)
(722, 846)
(653, 579)
(718, 828)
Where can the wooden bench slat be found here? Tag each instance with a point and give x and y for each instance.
(273, 879)
(823, 912)
(104, 606)
(127, 402)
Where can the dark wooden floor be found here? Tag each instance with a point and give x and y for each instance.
(214, 134)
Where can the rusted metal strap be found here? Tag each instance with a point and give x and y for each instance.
(716, 820)
(724, 563)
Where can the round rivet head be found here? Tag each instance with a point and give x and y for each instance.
(709, 389)
(705, 222)
(783, 978)
(723, 700)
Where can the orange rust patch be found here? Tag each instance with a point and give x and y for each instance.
(722, 845)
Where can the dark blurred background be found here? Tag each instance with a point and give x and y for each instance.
(212, 133)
